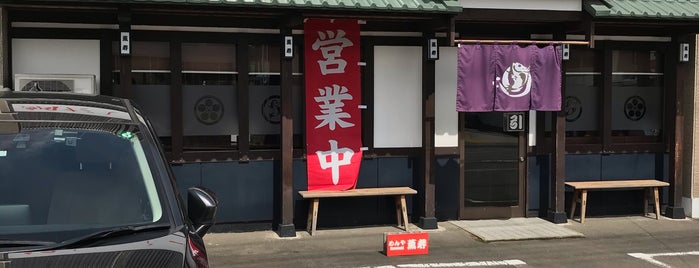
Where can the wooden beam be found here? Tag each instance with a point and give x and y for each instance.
(106, 62)
(513, 15)
(291, 21)
(125, 87)
(462, 164)
(590, 33)
(473, 41)
(5, 77)
(367, 74)
(176, 95)
(451, 33)
(427, 215)
(606, 99)
(243, 100)
(557, 205)
(675, 72)
(556, 213)
(286, 197)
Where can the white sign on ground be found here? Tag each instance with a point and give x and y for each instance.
(651, 257)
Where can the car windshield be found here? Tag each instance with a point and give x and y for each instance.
(60, 183)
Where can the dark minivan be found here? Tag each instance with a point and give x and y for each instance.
(84, 183)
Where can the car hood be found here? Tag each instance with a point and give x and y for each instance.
(166, 251)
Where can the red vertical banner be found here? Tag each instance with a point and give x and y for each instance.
(333, 95)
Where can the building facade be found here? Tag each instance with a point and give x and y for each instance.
(229, 106)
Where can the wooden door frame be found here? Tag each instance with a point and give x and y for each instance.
(493, 212)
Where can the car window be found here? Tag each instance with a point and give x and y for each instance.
(67, 180)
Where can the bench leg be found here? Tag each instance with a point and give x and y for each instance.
(583, 206)
(404, 211)
(401, 212)
(645, 201)
(312, 216)
(574, 203)
(657, 203)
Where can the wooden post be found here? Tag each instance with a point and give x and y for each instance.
(5, 77)
(606, 102)
(125, 90)
(556, 212)
(106, 63)
(427, 189)
(177, 124)
(676, 73)
(243, 101)
(286, 224)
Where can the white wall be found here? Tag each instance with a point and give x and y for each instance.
(446, 117)
(691, 207)
(397, 96)
(557, 5)
(56, 56)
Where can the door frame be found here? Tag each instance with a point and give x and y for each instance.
(474, 213)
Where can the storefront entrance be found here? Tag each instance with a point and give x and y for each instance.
(492, 172)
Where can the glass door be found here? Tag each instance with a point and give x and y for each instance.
(492, 168)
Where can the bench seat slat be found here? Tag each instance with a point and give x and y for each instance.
(616, 184)
(581, 188)
(398, 193)
(359, 192)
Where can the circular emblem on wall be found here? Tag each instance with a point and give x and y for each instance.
(208, 110)
(635, 108)
(272, 109)
(573, 108)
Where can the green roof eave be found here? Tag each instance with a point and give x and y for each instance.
(643, 9)
(596, 9)
(418, 6)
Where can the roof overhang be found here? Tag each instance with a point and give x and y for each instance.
(393, 6)
(643, 9)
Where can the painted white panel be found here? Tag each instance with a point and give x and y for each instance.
(531, 136)
(56, 56)
(557, 5)
(397, 96)
(446, 122)
(691, 207)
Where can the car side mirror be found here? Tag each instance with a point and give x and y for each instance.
(201, 209)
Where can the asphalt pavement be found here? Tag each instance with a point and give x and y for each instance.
(627, 241)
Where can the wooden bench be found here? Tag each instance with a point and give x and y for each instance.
(580, 189)
(398, 192)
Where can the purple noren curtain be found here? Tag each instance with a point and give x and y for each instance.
(508, 78)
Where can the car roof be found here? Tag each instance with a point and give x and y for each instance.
(41, 109)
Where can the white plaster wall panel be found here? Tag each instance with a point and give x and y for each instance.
(446, 117)
(397, 96)
(56, 56)
(691, 207)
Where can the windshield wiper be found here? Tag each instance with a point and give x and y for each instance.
(107, 234)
